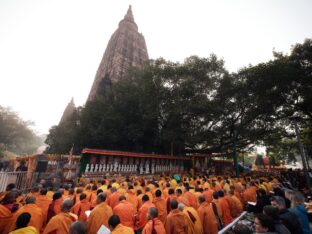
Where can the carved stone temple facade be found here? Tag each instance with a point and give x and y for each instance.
(126, 48)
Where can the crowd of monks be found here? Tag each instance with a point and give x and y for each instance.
(162, 205)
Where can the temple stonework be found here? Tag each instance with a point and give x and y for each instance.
(126, 48)
(69, 110)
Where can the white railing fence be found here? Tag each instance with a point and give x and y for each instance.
(23, 180)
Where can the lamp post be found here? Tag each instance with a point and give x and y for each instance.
(234, 154)
(302, 153)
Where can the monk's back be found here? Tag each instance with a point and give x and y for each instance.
(175, 223)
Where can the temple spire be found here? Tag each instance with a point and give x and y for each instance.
(129, 15)
(69, 110)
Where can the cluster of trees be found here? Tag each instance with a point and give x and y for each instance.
(15, 134)
(195, 106)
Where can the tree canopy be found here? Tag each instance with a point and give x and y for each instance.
(194, 106)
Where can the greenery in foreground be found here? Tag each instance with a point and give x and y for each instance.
(197, 106)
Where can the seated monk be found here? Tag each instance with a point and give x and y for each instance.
(55, 205)
(132, 198)
(116, 227)
(142, 214)
(78, 228)
(125, 212)
(176, 221)
(153, 225)
(61, 222)
(35, 212)
(7, 209)
(99, 215)
(160, 204)
(113, 199)
(43, 201)
(81, 207)
(181, 198)
(194, 224)
(226, 212)
(21, 225)
(207, 216)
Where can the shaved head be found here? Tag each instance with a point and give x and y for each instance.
(30, 200)
(78, 228)
(67, 205)
(201, 199)
(153, 212)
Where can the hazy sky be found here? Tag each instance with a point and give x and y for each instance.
(50, 49)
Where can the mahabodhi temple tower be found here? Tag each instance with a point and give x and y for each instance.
(126, 48)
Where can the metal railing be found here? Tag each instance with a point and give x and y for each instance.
(23, 180)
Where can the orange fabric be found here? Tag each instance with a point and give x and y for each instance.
(132, 198)
(25, 230)
(125, 212)
(194, 223)
(80, 208)
(36, 219)
(191, 199)
(43, 202)
(160, 204)
(99, 216)
(113, 199)
(120, 229)
(208, 195)
(238, 204)
(207, 218)
(232, 205)
(226, 213)
(150, 196)
(50, 194)
(249, 195)
(57, 206)
(158, 227)
(139, 198)
(176, 222)
(6, 217)
(59, 223)
(142, 214)
(184, 200)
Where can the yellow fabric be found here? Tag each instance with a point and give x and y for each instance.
(25, 230)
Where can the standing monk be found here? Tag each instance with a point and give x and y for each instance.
(60, 223)
(207, 217)
(176, 221)
(35, 212)
(99, 215)
(160, 204)
(125, 211)
(153, 225)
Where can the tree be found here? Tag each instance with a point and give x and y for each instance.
(259, 160)
(15, 134)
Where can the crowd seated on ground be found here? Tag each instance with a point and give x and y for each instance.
(160, 204)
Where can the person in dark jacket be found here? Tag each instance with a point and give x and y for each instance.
(298, 208)
(273, 211)
(262, 200)
(289, 219)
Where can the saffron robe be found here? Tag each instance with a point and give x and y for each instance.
(158, 226)
(99, 216)
(160, 204)
(43, 202)
(226, 213)
(176, 222)
(194, 223)
(126, 213)
(121, 229)
(25, 230)
(142, 214)
(6, 217)
(207, 218)
(60, 224)
(80, 208)
(113, 199)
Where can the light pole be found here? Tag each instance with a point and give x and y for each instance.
(302, 153)
(234, 154)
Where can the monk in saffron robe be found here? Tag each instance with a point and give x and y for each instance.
(160, 204)
(232, 205)
(61, 222)
(117, 228)
(125, 211)
(99, 215)
(132, 198)
(139, 198)
(181, 198)
(43, 201)
(21, 226)
(207, 216)
(113, 199)
(208, 194)
(81, 207)
(55, 206)
(35, 212)
(142, 214)
(190, 197)
(153, 225)
(7, 208)
(171, 196)
(176, 221)
(149, 193)
(194, 223)
(238, 204)
(226, 213)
